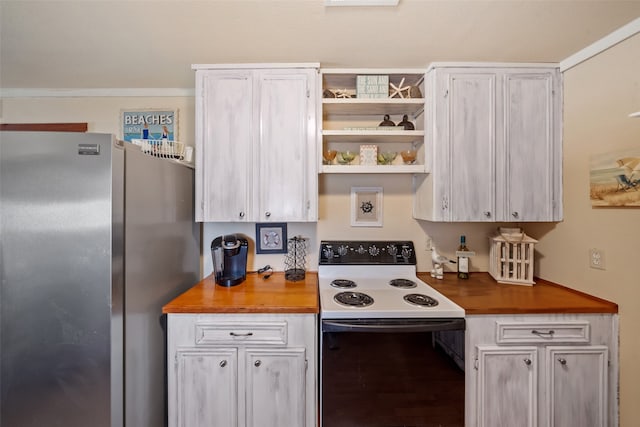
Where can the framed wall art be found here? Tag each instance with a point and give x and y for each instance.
(159, 123)
(615, 178)
(366, 206)
(271, 238)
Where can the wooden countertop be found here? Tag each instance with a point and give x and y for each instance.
(481, 294)
(254, 295)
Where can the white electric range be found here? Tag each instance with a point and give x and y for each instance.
(376, 280)
(377, 321)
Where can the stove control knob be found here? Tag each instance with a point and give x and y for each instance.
(328, 252)
(406, 253)
(342, 250)
(392, 250)
(373, 250)
(361, 250)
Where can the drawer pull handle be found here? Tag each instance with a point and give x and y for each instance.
(549, 333)
(246, 334)
(257, 363)
(527, 361)
(223, 363)
(562, 361)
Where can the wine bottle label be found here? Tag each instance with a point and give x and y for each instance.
(463, 265)
(465, 254)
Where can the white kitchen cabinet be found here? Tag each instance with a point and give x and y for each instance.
(242, 370)
(493, 145)
(541, 370)
(507, 386)
(577, 386)
(256, 142)
(276, 387)
(349, 122)
(207, 387)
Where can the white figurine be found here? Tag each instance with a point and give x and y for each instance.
(438, 264)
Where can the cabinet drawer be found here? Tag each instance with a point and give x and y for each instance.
(239, 333)
(542, 332)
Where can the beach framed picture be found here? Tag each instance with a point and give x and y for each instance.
(161, 123)
(615, 178)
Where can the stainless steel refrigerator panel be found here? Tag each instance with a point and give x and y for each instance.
(162, 260)
(56, 295)
(95, 237)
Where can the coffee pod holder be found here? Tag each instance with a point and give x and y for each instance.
(296, 259)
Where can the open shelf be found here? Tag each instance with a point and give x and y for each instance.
(378, 107)
(373, 169)
(348, 121)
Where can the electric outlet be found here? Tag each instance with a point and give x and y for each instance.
(428, 243)
(596, 258)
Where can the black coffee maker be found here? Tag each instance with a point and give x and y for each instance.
(229, 259)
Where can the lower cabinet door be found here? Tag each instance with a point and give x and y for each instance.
(507, 387)
(275, 387)
(577, 386)
(207, 393)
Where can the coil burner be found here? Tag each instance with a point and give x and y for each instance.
(421, 300)
(343, 284)
(353, 299)
(403, 283)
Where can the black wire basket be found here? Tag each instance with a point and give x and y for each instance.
(296, 259)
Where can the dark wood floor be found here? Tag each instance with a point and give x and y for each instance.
(390, 380)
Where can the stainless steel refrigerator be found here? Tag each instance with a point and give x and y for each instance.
(95, 237)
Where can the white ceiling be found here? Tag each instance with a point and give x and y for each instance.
(151, 44)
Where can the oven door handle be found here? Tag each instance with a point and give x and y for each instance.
(393, 326)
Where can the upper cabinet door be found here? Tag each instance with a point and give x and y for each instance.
(286, 169)
(532, 146)
(496, 145)
(224, 129)
(470, 139)
(256, 144)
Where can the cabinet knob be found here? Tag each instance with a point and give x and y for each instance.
(527, 361)
(257, 363)
(223, 363)
(562, 361)
(267, 214)
(241, 215)
(487, 214)
(514, 214)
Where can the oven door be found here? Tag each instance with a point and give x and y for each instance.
(388, 373)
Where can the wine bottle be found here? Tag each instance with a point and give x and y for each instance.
(463, 259)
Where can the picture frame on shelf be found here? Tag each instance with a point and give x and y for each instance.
(150, 123)
(366, 206)
(271, 238)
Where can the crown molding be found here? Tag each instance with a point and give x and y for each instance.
(95, 93)
(607, 42)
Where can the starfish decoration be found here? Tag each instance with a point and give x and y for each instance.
(399, 89)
